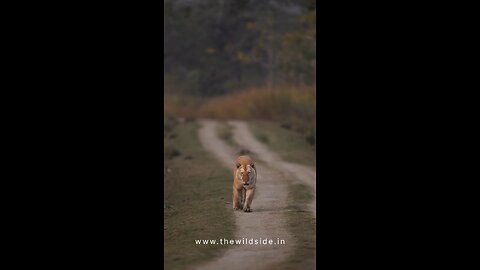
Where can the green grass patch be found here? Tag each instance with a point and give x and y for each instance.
(224, 132)
(291, 145)
(262, 137)
(301, 224)
(169, 124)
(196, 192)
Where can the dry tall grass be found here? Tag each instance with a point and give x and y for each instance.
(182, 106)
(290, 105)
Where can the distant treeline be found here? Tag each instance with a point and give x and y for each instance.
(214, 47)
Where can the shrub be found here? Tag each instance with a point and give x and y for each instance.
(262, 137)
(171, 151)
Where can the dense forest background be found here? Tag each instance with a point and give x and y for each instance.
(220, 53)
(214, 47)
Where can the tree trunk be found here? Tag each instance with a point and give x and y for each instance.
(315, 66)
(315, 73)
(270, 76)
(270, 56)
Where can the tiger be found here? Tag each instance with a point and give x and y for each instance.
(244, 180)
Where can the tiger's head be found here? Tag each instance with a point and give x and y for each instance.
(245, 173)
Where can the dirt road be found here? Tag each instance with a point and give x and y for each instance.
(267, 219)
(244, 137)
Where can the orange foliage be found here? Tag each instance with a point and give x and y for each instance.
(281, 103)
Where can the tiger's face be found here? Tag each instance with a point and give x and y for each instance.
(245, 173)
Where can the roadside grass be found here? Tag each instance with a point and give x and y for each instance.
(301, 224)
(196, 196)
(291, 145)
(224, 132)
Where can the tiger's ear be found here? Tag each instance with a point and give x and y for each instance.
(238, 165)
(253, 165)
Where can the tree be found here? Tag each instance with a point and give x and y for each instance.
(214, 47)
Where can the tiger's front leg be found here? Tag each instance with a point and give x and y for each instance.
(248, 200)
(243, 195)
(236, 198)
